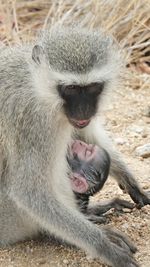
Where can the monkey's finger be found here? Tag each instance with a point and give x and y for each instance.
(120, 204)
(126, 240)
(97, 219)
(123, 258)
(121, 239)
(146, 198)
(140, 197)
(133, 262)
(135, 265)
(119, 242)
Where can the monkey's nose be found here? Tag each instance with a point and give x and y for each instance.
(79, 123)
(82, 123)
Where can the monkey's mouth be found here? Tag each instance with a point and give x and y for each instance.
(79, 183)
(79, 123)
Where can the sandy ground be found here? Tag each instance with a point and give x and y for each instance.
(127, 119)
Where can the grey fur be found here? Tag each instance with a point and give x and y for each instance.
(94, 47)
(35, 193)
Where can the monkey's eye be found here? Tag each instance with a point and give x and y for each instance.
(70, 89)
(96, 88)
(67, 90)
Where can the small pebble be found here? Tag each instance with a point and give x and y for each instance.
(147, 112)
(114, 122)
(65, 261)
(120, 141)
(125, 226)
(143, 151)
(42, 261)
(135, 128)
(28, 250)
(144, 135)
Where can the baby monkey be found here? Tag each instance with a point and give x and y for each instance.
(90, 166)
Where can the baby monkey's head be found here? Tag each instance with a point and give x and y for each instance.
(89, 165)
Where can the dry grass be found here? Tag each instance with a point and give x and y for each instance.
(128, 21)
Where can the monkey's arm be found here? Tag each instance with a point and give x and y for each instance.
(31, 192)
(95, 134)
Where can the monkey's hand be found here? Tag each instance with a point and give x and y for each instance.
(123, 246)
(120, 239)
(143, 199)
(140, 197)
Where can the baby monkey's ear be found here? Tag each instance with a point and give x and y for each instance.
(37, 54)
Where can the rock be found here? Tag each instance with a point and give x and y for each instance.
(144, 135)
(65, 261)
(125, 225)
(120, 141)
(114, 123)
(42, 262)
(143, 151)
(28, 250)
(147, 112)
(136, 129)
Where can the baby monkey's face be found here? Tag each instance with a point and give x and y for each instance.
(90, 167)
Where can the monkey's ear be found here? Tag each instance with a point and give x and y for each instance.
(37, 54)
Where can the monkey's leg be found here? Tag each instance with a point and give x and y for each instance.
(40, 202)
(95, 134)
(15, 225)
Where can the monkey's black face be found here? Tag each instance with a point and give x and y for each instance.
(80, 102)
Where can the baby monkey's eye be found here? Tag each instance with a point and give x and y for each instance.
(88, 152)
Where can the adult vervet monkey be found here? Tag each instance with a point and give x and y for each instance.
(49, 89)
